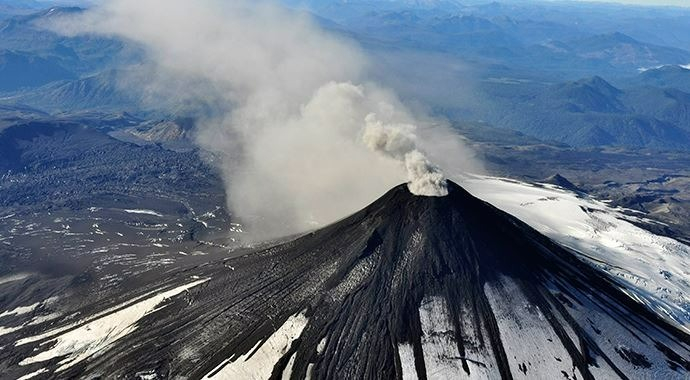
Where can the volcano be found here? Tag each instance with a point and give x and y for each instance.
(409, 287)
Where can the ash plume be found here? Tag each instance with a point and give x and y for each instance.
(399, 142)
(299, 130)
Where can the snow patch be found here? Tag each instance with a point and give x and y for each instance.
(259, 363)
(406, 354)
(13, 277)
(441, 356)
(85, 340)
(288, 368)
(144, 212)
(534, 350)
(33, 374)
(321, 346)
(479, 354)
(620, 340)
(21, 310)
(651, 267)
(6, 330)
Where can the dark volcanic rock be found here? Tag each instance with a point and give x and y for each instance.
(563, 182)
(428, 287)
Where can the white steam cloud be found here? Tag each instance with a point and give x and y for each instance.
(299, 142)
(399, 141)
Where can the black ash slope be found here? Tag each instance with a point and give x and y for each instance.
(430, 287)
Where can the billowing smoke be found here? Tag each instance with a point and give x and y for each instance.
(301, 134)
(399, 142)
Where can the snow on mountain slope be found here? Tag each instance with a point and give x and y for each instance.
(408, 287)
(654, 269)
(259, 362)
(88, 339)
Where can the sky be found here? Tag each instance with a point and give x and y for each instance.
(679, 3)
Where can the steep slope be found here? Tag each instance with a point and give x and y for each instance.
(666, 76)
(96, 92)
(588, 95)
(19, 70)
(652, 268)
(80, 54)
(621, 50)
(562, 182)
(665, 104)
(591, 112)
(409, 287)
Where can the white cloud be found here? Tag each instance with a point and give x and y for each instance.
(288, 121)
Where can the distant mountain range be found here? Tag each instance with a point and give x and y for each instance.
(605, 53)
(591, 112)
(527, 69)
(95, 92)
(533, 21)
(666, 76)
(19, 70)
(620, 49)
(26, 36)
(558, 39)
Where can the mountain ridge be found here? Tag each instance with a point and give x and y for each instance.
(408, 286)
